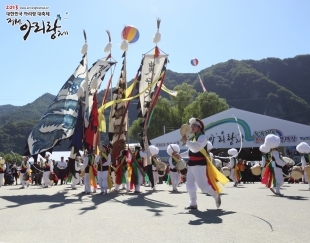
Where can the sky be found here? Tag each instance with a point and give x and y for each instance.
(212, 31)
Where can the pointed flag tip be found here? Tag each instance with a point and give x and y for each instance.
(85, 38)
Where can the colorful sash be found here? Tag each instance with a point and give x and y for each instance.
(269, 178)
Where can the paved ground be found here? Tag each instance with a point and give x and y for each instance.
(249, 213)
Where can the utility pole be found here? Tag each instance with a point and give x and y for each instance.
(164, 130)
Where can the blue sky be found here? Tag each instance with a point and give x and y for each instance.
(211, 31)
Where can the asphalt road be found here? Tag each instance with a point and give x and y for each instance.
(250, 213)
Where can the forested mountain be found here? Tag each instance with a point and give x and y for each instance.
(271, 86)
(7, 108)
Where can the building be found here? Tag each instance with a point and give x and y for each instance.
(225, 130)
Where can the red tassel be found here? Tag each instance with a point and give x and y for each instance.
(157, 52)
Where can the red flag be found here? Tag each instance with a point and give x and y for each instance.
(91, 130)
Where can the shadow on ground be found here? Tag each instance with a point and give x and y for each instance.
(211, 216)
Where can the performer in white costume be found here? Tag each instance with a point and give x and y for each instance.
(234, 172)
(154, 151)
(136, 167)
(197, 165)
(272, 142)
(48, 169)
(25, 168)
(77, 168)
(89, 162)
(2, 169)
(173, 150)
(265, 157)
(304, 149)
(121, 175)
(103, 169)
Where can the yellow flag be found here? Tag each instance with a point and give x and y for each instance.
(102, 123)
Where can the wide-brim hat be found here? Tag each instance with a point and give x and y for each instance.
(198, 122)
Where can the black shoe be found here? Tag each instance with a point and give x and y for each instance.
(191, 207)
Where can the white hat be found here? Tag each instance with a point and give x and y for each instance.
(153, 150)
(272, 141)
(232, 152)
(173, 148)
(196, 121)
(303, 148)
(209, 146)
(264, 149)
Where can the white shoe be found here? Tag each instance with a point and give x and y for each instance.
(218, 201)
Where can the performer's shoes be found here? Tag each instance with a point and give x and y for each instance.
(191, 207)
(22, 187)
(137, 192)
(218, 201)
(279, 194)
(45, 187)
(271, 189)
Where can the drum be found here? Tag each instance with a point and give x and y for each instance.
(226, 171)
(183, 172)
(51, 177)
(217, 163)
(26, 177)
(256, 170)
(185, 130)
(161, 166)
(180, 165)
(296, 173)
(161, 173)
(289, 161)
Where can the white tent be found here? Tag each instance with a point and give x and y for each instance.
(222, 131)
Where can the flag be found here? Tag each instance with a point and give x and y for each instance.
(203, 87)
(59, 121)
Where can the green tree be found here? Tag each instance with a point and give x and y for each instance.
(160, 117)
(186, 95)
(205, 105)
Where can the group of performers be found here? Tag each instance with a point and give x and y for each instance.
(131, 168)
(273, 163)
